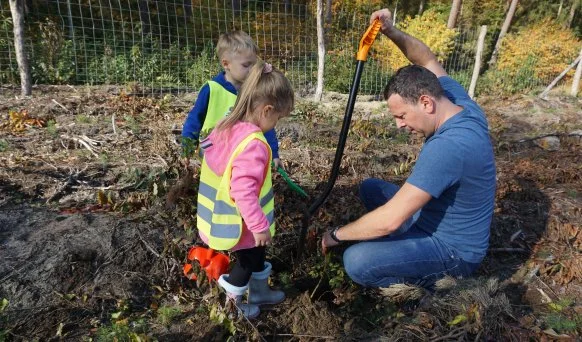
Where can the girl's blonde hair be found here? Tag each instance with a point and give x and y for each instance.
(263, 86)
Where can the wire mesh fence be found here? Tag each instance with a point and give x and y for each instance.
(168, 45)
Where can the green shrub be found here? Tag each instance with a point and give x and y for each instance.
(202, 68)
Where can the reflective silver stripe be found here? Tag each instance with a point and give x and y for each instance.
(204, 213)
(208, 191)
(271, 216)
(269, 196)
(225, 231)
(223, 208)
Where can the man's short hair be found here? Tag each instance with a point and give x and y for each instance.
(235, 41)
(410, 82)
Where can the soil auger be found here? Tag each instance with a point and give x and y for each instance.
(361, 57)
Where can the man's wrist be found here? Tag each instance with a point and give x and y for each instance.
(333, 234)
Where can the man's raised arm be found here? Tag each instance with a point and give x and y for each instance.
(416, 51)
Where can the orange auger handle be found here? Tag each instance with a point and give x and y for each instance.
(367, 40)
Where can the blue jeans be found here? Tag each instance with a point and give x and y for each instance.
(408, 255)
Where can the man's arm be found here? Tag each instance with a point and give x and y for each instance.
(416, 51)
(383, 220)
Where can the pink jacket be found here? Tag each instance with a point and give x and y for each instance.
(248, 173)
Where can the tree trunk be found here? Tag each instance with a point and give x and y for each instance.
(188, 9)
(478, 54)
(70, 21)
(577, 75)
(572, 13)
(560, 8)
(421, 7)
(17, 9)
(504, 28)
(320, 51)
(328, 12)
(144, 17)
(455, 8)
(236, 7)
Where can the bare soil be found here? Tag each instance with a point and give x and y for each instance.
(94, 229)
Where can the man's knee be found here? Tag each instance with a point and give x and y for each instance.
(355, 263)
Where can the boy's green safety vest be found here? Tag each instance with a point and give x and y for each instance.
(218, 217)
(220, 103)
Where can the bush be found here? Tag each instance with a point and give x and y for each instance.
(498, 82)
(542, 50)
(429, 28)
(203, 68)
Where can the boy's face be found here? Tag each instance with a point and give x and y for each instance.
(237, 66)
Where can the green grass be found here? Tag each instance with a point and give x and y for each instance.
(166, 314)
(4, 145)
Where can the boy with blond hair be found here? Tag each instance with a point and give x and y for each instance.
(237, 53)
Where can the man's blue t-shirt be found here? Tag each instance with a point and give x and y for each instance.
(456, 167)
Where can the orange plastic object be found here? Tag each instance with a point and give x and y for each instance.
(367, 40)
(214, 263)
(218, 266)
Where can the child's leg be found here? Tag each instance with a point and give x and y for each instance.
(236, 283)
(259, 290)
(247, 261)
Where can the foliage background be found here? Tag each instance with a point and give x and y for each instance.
(168, 45)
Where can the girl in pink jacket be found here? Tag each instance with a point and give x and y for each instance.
(236, 149)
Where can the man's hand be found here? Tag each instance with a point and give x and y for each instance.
(385, 17)
(277, 163)
(263, 238)
(327, 242)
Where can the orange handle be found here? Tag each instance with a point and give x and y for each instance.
(367, 40)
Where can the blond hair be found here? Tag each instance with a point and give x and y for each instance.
(260, 88)
(233, 42)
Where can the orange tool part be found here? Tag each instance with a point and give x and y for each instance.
(367, 40)
(214, 263)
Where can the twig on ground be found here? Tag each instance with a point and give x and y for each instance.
(87, 142)
(60, 105)
(153, 251)
(303, 335)
(70, 180)
(509, 250)
(113, 124)
(251, 324)
(454, 334)
(531, 274)
(514, 235)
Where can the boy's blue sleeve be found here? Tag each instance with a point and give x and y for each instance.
(271, 137)
(195, 120)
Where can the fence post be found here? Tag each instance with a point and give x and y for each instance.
(320, 51)
(577, 75)
(557, 79)
(478, 55)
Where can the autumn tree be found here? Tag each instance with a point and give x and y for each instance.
(17, 10)
(455, 9)
(504, 28)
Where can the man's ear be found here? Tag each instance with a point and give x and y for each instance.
(427, 103)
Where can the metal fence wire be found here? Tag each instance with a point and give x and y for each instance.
(168, 45)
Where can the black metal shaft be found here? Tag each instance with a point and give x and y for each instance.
(337, 160)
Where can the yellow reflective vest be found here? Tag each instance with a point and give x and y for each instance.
(220, 103)
(218, 217)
